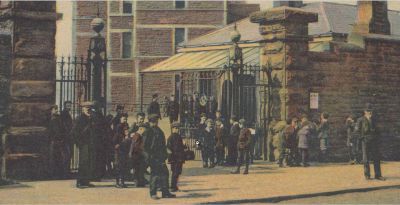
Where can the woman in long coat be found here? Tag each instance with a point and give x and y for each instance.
(304, 135)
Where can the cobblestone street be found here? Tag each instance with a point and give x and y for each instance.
(265, 183)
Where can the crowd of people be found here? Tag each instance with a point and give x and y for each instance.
(109, 146)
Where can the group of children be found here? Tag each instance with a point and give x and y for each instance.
(213, 138)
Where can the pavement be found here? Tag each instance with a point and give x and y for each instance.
(266, 183)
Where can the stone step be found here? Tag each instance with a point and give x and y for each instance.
(27, 166)
(27, 140)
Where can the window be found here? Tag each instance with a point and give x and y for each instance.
(179, 36)
(127, 7)
(180, 4)
(126, 44)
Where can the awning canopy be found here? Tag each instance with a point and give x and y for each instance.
(203, 60)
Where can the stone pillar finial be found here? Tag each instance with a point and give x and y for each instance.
(284, 26)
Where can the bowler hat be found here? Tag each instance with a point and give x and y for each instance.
(87, 104)
(120, 107)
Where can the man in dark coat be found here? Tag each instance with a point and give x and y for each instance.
(156, 151)
(58, 146)
(67, 123)
(117, 119)
(243, 147)
(173, 110)
(136, 154)
(292, 142)
(212, 106)
(232, 141)
(85, 136)
(369, 134)
(220, 141)
(207, 142)
(154, 107)
(177, 155)
(196, 108)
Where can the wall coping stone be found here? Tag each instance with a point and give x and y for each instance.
(283, 13)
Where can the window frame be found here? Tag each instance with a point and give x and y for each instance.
(185, 35)
(123, 45)
(184, 4)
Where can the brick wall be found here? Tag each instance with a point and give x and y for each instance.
(122, 89)
(347, 80)
(208, 17)
(89, 8)
(121, 22)
(154, 41)
(160, 83)
(197, 32)
(122, 65)
(116, 39)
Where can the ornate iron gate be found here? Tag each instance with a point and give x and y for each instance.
(72, 85)
(72, 82)
(244, 94)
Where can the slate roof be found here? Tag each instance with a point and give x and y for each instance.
(332, 18)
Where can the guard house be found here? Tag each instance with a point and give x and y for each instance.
(227, 67)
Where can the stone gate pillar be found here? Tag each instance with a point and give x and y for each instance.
(285, 31)
(31, 27)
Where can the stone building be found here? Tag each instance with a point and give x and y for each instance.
(27, 85)
(319, 62)
(141, 33)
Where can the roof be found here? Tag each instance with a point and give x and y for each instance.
(203, 60)
(332, 18)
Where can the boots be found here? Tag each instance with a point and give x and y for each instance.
(237, 171)
(246, 171)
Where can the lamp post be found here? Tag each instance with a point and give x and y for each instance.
(97, 64)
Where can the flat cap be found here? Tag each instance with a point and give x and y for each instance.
(153, 117)
(203, 115)
(176, 125)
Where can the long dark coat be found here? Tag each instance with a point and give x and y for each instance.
(173, 110)
(85, 136)
(175, 144)
(154, 108)
(155, 146)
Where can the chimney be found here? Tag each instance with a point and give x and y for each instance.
(296, 4)
(372, 18)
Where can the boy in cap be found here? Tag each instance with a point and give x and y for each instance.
(207, 141)
(177, 156)
(243, 147)
(121, 159)
(136, 154)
